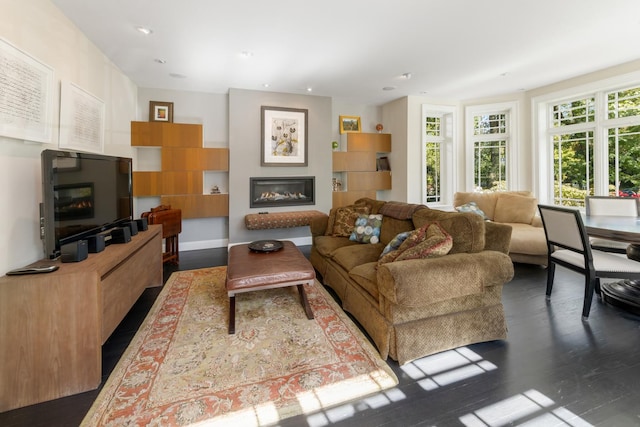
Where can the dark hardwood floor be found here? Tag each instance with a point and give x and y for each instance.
(553, 369)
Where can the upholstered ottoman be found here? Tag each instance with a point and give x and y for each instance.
(249, 270)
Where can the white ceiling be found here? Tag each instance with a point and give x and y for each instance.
(351, 49)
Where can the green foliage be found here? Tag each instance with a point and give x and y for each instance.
(571, 196)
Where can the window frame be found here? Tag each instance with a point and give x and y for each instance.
(448, 142)
(509, 108)
(542, 131)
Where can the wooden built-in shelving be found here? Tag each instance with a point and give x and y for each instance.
(180, 182)
(357, 170)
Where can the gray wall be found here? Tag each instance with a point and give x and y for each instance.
(244, 159)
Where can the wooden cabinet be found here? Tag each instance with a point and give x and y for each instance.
(180, 182)
(53, 325)
(356, 167)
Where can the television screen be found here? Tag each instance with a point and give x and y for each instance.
(82, 194)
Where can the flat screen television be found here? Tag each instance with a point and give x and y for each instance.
(83, 194)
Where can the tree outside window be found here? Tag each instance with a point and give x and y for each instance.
(490, 135)
(577, 135)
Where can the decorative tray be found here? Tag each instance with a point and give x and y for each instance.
(266, 245)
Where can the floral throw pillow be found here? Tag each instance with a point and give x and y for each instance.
(428, 241)
(437, 242)
(367, 229)
(395, 243)
(472, 207)
(345, 220)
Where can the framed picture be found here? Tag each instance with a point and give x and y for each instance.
(82, 118)
(160, 111)
(284, 137)
(349, 124)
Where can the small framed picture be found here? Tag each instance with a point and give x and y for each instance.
(160, 111)
(349, 124)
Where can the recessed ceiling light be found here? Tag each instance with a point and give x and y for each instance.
(266, 85)
(160, 61)
(406, 76)
(144, 30)
(178, 76)
(309, 89)
(389, 88)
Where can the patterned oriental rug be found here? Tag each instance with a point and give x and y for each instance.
(183, 369)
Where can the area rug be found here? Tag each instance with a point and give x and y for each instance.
(183, 368)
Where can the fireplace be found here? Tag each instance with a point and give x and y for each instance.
(282, 191)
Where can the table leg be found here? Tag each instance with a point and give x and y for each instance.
(626, 291)
(305, 302)
(232, 314)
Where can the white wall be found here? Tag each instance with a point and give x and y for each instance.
(38, 28)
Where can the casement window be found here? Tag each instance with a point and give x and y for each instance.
(437, 141)
(489, 146)
(623, 141)
(572, 137)
(594, 142)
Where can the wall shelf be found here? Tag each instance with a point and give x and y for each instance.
(184, 161)
(356, 167)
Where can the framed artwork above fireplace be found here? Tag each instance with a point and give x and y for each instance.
(284, 137)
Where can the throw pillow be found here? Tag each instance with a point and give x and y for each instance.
(395, 243)
(436, 243)
(424, 242)
(515, 208)
(346, 219)
(330, 222)
(472, 207)
(367, 229)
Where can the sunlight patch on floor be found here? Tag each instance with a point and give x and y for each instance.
(530, 409)
(342, 412)
(446, 368)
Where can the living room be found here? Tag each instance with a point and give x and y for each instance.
(230, 120)
(53, 39)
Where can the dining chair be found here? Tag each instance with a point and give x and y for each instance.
(611, 206)
(568, 246)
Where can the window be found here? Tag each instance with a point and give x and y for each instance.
(489, 130)
(437, 142)
(623, 141)
(595, 144)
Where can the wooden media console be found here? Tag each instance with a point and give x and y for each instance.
(53, 325)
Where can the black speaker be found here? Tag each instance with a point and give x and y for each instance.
(143, 224)
(133, 227)
(96, 243)
(74, 252)
(121, 235)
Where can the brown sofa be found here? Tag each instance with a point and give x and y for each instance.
(519, 209)
(416, 307)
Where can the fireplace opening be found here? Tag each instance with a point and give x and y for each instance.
(282, 191)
